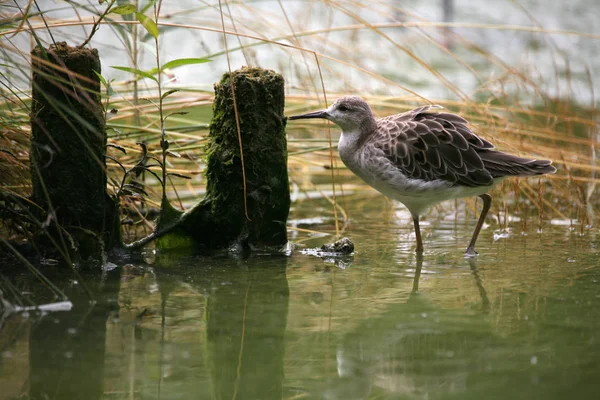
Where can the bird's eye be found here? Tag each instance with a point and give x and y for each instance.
(343, 108)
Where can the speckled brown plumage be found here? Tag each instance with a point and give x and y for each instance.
(437, 145)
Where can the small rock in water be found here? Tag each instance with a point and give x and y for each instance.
(339, 253)
(342, 246)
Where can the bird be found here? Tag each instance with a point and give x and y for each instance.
(422, 157)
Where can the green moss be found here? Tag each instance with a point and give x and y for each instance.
(178, 241)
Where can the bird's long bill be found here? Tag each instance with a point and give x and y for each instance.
(316, 114)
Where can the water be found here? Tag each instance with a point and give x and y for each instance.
(521, 321)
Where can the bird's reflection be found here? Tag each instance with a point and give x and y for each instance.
(389, 349)
(485, 301)
(416, 279)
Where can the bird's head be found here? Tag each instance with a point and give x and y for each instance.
(351, 113)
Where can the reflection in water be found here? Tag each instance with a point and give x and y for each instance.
(394, 348)
(246, 322)
(417, 278)
(518, 322)
(246, 313)
(67, 350)
(485, 302)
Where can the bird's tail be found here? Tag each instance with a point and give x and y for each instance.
(500, 164)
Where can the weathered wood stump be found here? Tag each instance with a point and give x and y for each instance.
(220, 219)
(68, 143)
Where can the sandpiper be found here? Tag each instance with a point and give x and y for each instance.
(422, 157)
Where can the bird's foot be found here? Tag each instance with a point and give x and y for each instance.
(470, 253)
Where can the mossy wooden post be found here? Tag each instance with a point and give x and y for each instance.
(220, 219)
(68, 143)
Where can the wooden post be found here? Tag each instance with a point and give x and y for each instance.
(220, 219)
(68, 144)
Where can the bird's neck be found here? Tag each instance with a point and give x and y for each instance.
(349, 147)
(354, 137)
(349, 141)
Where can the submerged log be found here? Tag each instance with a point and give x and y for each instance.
(68, 143)
(220, 219)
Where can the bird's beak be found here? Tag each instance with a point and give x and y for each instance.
(317, 114)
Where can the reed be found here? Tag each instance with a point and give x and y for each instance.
(545, 110)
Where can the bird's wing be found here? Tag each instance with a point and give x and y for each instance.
(433, 146)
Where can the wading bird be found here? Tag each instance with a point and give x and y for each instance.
(422, 157)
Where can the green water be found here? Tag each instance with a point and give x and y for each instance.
(521, 321)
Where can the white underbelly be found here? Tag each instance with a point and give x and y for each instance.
(417, 195)
(419, 201)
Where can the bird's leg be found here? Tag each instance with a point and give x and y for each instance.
(418, 234)
(487, 202)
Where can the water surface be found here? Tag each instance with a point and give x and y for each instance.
(520, 321)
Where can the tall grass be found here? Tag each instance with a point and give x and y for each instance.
(543, 107)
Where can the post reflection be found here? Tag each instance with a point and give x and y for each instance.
(245, 312)
(246, 323)
(67, 350)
